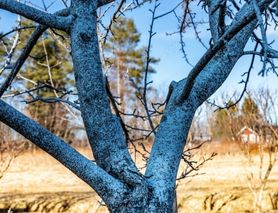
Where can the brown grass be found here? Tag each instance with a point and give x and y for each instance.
(36, 182)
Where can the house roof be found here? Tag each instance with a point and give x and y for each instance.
(246, 128)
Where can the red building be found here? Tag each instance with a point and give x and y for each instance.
(248, 135)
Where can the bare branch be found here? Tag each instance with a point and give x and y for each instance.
(115, 16)
(148, 60)
(22, 58)
(263, 33)
(13, 48)
(16, 29)
(109, 149)
(25, 53)
(69, 157)
(216, 18)
(41, 17)
(245, 16)
(247, 73)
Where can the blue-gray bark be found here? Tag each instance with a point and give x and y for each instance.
(115, 176)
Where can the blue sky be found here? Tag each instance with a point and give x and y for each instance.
(172, 66)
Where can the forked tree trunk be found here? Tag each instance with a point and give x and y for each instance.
(114, 176)
(154, 192)
(149, 204)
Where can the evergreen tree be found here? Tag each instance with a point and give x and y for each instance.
(3, 42)
(124, 56)
(224, 122)
(250, 114)
(49, 64)
(249, 107)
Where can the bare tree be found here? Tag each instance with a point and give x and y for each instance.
(113, 175)
(6, 153)
(9, 148)
(267, 147)
(259, 113)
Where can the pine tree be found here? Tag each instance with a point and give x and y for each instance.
(127, 61)
(249, 107)
(49, 64)
(250, 114)
(225, 122)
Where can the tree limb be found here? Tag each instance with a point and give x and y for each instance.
(109, 188)
(101, 3)
(22, 58)
(216, 18)
(243, 17)
(102, 127)
(172, 133)
(41, 17)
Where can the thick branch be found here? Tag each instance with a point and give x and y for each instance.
(216, 18)
(41, 17)
(243, 17)
(105, 185)
(103, 128)
(101, 3)
(172, 133)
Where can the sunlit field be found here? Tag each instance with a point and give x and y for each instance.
(36, 182)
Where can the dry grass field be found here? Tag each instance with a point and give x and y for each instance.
(37, 183)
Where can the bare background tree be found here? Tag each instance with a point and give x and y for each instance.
(256, 113)
(260, 166)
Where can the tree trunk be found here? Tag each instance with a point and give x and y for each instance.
(120, 81)
(150, 203)
(114, 176)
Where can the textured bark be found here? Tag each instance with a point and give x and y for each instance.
(109, 188)
(172, 133)
(103, 128)
(115, 177)
(50, 20)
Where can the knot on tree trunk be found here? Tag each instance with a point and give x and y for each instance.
(137, 200)
(123, 169)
